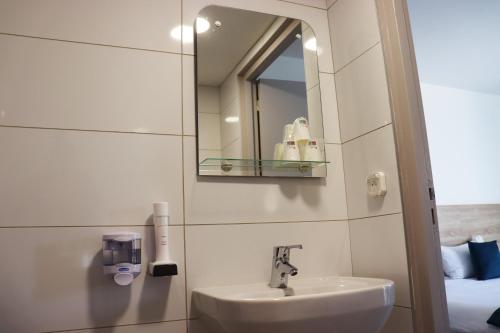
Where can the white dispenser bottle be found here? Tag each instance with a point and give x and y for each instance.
(163, 265)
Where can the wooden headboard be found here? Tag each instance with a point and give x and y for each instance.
(457, 223)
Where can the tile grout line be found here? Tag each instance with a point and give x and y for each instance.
(89, 43)
(112, 326)
(342, 147)
(369, 132)
(303, 5)
(357, 57)
(328, 7)
(375, 216)
(85, 226)
(176, 225)
(87, 130)
(265, 222)
(183, 175)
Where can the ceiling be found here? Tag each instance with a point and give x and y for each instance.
(457, 43)
(219, 50)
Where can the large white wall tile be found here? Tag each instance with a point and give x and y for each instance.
(363, 156)
(400, 321)
(233, 254)
(230, 131)
(379, 250)
(78, 86)
(164, 327)
(242, 200)
(55, 281)
(363, 96)
(353, 29)
(208, 97)
(188, 96)
(329, 106)
(315, 17)
(209, 131)
(233, 150)
(130, 23)
(75, 178)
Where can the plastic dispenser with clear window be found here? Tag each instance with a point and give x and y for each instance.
(122, 256)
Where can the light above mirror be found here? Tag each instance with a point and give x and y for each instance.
(202, 25)
(258, 96)
(185, 33)
(311, 44)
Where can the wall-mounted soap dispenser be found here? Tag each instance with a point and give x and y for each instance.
(163, 265)
(122, 256)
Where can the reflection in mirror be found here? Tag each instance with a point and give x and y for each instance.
(258, 96)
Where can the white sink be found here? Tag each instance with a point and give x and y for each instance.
(329, 304)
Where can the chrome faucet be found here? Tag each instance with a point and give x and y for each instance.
(281, 266)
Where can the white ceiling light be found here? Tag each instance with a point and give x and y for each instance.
(202, 25)
(311, 44)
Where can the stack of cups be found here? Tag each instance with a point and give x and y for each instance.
(297, 144)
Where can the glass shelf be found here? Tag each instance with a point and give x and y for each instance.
(228, 164)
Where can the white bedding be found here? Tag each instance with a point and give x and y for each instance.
(471, 303)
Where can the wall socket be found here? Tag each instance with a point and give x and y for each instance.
(377, 186)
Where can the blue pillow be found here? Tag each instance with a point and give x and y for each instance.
(485, 259)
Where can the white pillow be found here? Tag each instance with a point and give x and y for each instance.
(477, 239)
(457, 263)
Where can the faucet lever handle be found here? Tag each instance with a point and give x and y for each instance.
(284, 250)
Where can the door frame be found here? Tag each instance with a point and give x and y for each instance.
(430, 312)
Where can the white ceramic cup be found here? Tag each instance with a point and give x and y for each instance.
(291, 151)
(312, 152)
(301, 130)
(279, 150)
(288, 132)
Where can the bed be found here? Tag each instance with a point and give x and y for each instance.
(471, 303)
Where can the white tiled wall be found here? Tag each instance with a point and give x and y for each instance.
(367, 154)
(82, 178)
(362, 95)
(375, 224)
(46, 83)
(246, 249)
(96, 123)
(378, 250)
(353, 29)
(126, 23)
(263, 200)
(54, 281)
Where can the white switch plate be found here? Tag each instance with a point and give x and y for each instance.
(377, 186)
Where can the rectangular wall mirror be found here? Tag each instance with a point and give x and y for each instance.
(258, 100)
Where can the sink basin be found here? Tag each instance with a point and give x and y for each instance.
(328, 304)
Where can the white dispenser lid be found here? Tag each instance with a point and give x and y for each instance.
(124, 279)
(160, 208)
